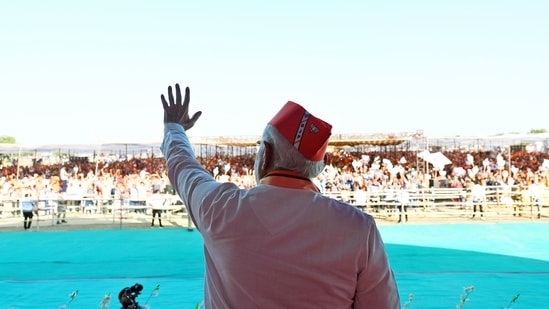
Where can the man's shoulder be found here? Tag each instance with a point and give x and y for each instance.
(347, 211)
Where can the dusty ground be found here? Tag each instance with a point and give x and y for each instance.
(78, 221)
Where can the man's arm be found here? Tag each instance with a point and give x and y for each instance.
(176, 147)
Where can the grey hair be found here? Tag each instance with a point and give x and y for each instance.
(285, 156)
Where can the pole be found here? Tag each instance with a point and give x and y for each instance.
(97, 159)
(510, 155)
(18, 161)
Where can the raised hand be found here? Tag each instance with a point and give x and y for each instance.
(176, 111)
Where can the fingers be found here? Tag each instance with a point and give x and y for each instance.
(178, 95)
(164, 103)
(187, 95)
(196, 116)
(187, 99)
(190, 122)
(170, 94)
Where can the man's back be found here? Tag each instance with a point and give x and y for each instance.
(303, 250)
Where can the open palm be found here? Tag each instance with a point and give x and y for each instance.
(177, 111)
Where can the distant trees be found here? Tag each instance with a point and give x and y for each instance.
(536, 131)
(4, 139)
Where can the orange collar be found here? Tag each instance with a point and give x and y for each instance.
(288, 179)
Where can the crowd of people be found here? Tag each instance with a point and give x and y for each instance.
(137, 178)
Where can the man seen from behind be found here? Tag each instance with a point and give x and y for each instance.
(280, 244)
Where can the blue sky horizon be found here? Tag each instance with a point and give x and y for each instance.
(78, 72)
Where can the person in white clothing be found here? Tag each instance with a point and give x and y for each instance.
(156, 202)
(478, 194)
(280, 244)
(28, 206)
(64, 176)
(534, 191)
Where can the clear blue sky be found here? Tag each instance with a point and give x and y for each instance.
(93, 71)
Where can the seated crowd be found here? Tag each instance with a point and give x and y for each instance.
(133, 180)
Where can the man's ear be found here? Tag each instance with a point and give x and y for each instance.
(267, 156)
(325, 159)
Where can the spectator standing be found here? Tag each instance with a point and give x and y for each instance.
(403, 198)
(534, 193)
(28, 206)
(156, 202)
(478, 194)
(64, 178)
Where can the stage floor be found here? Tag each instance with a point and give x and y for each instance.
(433, 262)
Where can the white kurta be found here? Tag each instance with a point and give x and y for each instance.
(274, 247)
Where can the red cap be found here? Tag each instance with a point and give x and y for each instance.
(308, 134)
